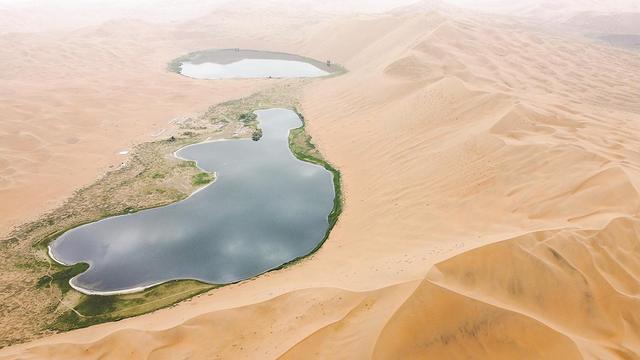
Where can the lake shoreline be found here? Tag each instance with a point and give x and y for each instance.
(301, 156)
(229, 56)
(96, 309)
(150, 178)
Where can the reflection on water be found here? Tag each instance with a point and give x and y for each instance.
(251, 68)
(265, 208)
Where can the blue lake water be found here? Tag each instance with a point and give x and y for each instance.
(264, 209)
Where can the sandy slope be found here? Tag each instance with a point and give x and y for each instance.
(491, 176)
(70, 106)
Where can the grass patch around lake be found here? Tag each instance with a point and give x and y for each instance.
(62, 276)
(202, 178)
(302, 146)
(176, 64)
(249, 118)
(95, 309)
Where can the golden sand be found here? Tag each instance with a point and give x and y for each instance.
(490, 170)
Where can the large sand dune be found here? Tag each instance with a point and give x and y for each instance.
(491, 180)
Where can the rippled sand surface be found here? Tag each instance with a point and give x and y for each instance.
(490, 170)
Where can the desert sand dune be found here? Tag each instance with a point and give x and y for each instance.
(491, 181)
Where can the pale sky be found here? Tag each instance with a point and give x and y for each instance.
(47, 15)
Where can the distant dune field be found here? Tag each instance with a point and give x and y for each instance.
(490, 171)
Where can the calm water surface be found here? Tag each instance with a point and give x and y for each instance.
(251, 68)
(265, 208)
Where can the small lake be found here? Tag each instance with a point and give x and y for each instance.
(264, 209)
(246, 64)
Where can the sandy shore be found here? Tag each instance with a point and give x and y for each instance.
(490, 172)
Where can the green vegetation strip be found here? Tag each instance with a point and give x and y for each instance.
(96, 309)
(303, 148)
(202, 178)
(61, 277)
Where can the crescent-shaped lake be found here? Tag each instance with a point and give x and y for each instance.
(265, 208)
